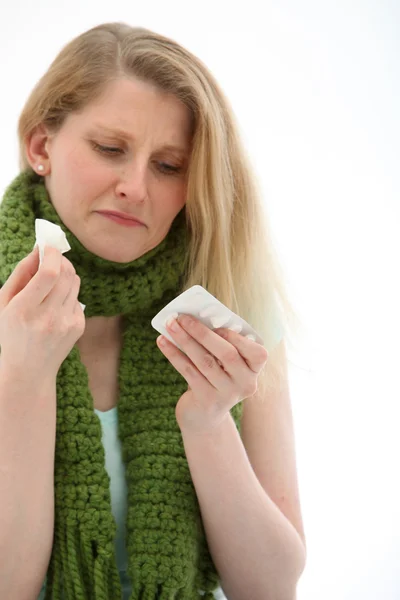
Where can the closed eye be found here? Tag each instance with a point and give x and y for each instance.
(110, 150)
(169, 169)
(114, 151)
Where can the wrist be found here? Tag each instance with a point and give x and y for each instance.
(204, 428)
(24, 380)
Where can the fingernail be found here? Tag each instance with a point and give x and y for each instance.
(172, 324)
(170, 318)
(161, 340)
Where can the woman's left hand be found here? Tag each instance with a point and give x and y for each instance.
(221, 369)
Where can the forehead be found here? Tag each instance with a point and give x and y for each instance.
(130, 107)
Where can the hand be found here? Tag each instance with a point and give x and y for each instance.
(40, 316)
(221, 369)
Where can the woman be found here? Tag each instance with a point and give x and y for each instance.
(189, 487)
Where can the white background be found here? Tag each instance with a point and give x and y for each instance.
(315, 86)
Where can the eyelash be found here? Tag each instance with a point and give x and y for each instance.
(111, 151)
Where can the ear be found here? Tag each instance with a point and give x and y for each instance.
(37, 150)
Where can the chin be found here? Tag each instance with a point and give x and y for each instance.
(118, 255)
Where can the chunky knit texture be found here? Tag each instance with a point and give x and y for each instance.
(168, 555)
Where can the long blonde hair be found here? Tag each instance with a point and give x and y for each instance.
(231, 251)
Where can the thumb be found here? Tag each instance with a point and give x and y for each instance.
(20, 277)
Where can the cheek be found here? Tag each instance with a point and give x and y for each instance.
(179, 194)
(87, 172)
(169, 196)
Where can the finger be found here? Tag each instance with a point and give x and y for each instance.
(194, 378)
(253, 353)
(60, 292)
(20, 277)
(249, 354)
(204, 349)
(204, 361)
(72, 298)
(46, 277)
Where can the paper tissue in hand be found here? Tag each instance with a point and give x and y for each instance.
(205, 307)
(50, 234)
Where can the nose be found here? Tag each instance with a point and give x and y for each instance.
(132, 182)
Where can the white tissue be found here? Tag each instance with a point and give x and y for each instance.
(50, 234)
(205, 307)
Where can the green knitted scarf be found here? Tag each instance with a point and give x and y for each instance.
(168, 555)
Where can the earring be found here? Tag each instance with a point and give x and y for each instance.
(40, 168)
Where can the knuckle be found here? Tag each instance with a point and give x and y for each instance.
(56, 324)
(74, 323)
(188, 371)
(80, 324)
(209, 361)
(50, 272)
(198, 330)
(64, 326)
(50, 322)
(231, 355)
(68, 268)
(263, 354)
(251, 388)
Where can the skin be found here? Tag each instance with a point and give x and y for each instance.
(138, 177)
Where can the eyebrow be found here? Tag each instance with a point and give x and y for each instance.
(116, 131)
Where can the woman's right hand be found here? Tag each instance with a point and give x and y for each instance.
(40, 316)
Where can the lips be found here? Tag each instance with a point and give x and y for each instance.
(121, 215)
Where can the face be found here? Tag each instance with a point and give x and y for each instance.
(127, 152)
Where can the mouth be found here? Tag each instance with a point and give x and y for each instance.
(121, 218)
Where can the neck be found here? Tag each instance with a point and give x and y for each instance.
(100, 332)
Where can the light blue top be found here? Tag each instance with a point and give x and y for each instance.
(116, 469)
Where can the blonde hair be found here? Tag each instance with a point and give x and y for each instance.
(231, 251)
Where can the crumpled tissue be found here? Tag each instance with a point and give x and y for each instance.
(50, 234)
